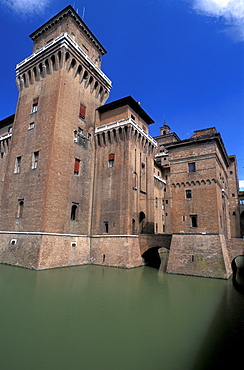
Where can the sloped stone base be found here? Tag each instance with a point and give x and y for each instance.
(40, 251)
(199, 255)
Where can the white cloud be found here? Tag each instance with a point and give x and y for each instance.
(230, 11)
(26, 7)
(241, 185)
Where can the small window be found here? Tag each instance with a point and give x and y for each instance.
(17, 165)
(74, 211)
(156, 228)
(156, 202)
(105, 225)
(35, 159)
(188, 194)
(20, 208)
(77, 166)
(233, 195)
(192, 167)
(231, 172)
(82, 111)
(35, 105)
(234, 213)
(143, 167)
(111, 160)
(31, 126)
(193, 220)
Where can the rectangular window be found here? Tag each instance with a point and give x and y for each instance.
(82, 111)
(35, 159)
(191, 167)
(193, 220)
(20, 208)
(31, 126)
(35, 105)
(111, 160)
(74, 211)
(77, 166)
(17, 165)
(188, 194)
(156, 202)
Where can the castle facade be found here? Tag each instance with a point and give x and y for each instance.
(84, 182)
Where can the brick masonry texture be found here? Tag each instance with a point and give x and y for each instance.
(102, 190)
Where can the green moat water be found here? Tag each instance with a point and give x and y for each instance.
(94, 317)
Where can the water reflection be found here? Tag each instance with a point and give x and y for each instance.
(94, 317)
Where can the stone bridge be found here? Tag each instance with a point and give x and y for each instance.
(148, 241)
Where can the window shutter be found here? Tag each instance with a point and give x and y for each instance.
(77, 166)
(82, 111)
(111, 157)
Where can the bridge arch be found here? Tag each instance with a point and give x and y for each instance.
(238, 272)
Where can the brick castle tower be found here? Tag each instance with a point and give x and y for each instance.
(84, 182)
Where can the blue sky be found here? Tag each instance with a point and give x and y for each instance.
(182, 59)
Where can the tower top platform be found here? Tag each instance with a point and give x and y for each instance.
(58, 18)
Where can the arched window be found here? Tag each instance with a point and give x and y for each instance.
(20, 208)
(142, 217)
(74, 211)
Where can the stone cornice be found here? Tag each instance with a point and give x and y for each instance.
(63, 41)
(124, 122)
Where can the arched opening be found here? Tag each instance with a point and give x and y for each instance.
(238, 272)
(142, 223)
(242, 223)
(151, 258)
(53, 60)
(74, 211)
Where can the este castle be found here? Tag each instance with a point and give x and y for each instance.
(84, 182)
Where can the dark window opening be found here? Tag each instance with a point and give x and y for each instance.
(74, 211)
(20, 208)
(105, 224)
(194, 220)
(192, 167)
(31, 126)
(188, 194)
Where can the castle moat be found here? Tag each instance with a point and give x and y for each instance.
(93, 317)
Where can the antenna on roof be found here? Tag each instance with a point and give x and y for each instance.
(83, 14)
